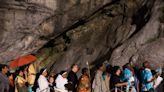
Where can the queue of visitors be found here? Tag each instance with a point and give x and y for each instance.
(107, 79)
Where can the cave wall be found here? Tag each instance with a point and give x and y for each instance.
(63, 32)
(145, 45)
(118, 33)
(26, 25)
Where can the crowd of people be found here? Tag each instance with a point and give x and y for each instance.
(107, 78)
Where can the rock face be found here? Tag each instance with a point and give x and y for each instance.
(26, 25)
(145, 45)
(63, 32)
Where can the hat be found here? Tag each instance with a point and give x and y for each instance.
(63, 72)
(43, 70)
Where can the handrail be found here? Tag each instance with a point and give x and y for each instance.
(117, 89)
(156, 90)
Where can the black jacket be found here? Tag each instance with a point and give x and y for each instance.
(72, 81)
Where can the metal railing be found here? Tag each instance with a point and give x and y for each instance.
(160, 88)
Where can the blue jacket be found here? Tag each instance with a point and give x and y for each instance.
(146, 75)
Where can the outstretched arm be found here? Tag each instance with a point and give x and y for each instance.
(121, 84)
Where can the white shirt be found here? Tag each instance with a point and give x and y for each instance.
(60, 82)
(43, 84)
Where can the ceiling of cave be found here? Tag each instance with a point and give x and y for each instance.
(63, 32)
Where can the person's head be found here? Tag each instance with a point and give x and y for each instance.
(4, 69)
(117, 70)
(127, 65)
(100, 67)
(51, 79)
(84, 70)
(146, 64)
(64, 74)
(20, 72)
(75, 68)
(109, 69)
(43, 72)
(10, 75)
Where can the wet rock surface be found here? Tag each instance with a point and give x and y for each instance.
(63, 32)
